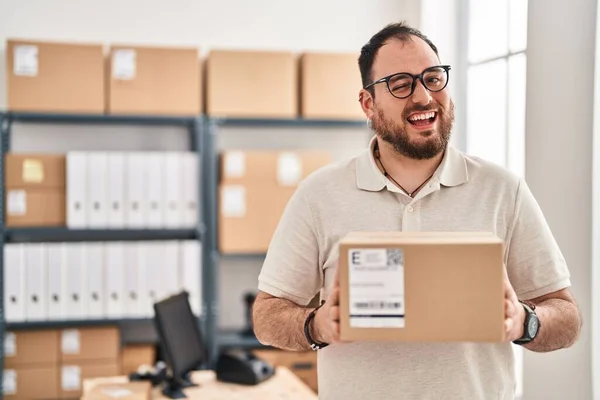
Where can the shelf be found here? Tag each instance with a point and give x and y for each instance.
(98, 119)
(243, 256)
(298, 122)
(27, 117)
(75, 323)
(63, 234)
(227, 339)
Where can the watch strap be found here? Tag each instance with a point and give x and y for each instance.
(530, 313)
(313, 344)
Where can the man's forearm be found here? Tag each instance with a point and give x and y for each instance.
(280, 323)
(560, 324)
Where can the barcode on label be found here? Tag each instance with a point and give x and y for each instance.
(378, 305)
(395, 257)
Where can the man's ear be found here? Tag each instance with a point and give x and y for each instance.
(367, 102)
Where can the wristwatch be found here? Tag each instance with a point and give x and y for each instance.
(313, 344)
(532, 324)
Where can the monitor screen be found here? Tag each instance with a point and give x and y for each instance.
(179, 335)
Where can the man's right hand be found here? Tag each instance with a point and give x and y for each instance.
(326, 323)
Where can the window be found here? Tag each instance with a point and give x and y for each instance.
(495, 96)
(497, 40)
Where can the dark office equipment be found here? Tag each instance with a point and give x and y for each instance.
(242, 367)
(156, 375)
(181, 340)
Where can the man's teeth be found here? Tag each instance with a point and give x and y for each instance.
(417, 117)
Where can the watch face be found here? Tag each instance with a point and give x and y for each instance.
(533, 327)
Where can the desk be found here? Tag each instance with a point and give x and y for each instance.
(284, 385)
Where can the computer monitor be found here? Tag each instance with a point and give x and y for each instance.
(181, 340)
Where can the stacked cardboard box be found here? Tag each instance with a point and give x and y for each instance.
(55, 77)
(252, 84)
(255, 188)
(143, 80)
(87, 353)
(330, 84)
(35, 186)
(154, 80)
(52, 364)
(31, 364)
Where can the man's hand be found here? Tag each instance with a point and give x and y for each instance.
(514, 313)
(326, 324)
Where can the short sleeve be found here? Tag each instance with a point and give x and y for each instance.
(535, 264)
(291, 268)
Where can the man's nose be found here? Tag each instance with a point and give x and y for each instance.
(421, 95)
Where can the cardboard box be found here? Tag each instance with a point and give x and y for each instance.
(252, 84)
(133, 356)
(250, 231)
(31, 382)
(39, 171)
(22, 348)
(32, 207)
(35, 193)
(154, 80)
(90, 344)
(121, 391)
(330, 84)
(255, 188)
(55, 77)
(302, 363)
(421, 286)
(281, 168)
(72, 374)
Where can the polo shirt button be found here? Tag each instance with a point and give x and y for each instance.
(410, 209)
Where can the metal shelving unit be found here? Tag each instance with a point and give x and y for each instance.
(195, 127)
(73, 323)
(227, 338)
(60, 234)
(203, 134)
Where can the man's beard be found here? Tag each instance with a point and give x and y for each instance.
(396, 135)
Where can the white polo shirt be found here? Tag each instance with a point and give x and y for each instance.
(465, 194)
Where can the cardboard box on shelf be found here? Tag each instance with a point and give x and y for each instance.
(54, 77)
(89, 344)
(71, 375)
(133, 356)
(39, 381)
(280, 168)
(302, 363)
(35, 194)
(330, 84)
(255, 188)
(251, 84)
(33, 207)
(421, 286)
(154, 80)
(40, 171)
(23, 348)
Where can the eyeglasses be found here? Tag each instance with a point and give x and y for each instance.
(402, 85)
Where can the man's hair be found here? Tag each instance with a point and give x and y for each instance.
(397, 31)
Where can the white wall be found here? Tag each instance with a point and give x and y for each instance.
(561, 43)
(596, 221)
(332, 25)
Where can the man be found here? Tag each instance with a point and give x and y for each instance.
(410, 179)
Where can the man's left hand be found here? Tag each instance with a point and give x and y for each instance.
(514, 313)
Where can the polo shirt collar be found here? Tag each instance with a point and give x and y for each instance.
(451, 172)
